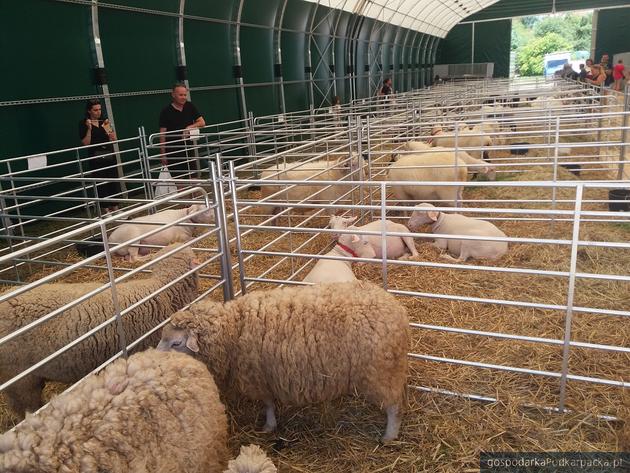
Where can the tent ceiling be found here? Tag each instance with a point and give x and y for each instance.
(514, 8)
(435, 17)
(438, 17)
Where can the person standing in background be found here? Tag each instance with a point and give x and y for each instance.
(102, 162)
(618, 74)
(387, 87)
(598, 74)
(180, 114)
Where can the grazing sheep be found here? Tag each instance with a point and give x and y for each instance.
(301, 345)
(154, 412)
(465, 139)
(31, 347)
(138, 226)
(327, 270)
(321, 170)
(397, 246)
(456, 224)
(251, 459)
(444, 171)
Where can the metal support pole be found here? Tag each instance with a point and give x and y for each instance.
(383, 235)
(237, 59)
(237, 226)
(100, 63)
(457, 202)
(145, 164)
(224, 238)
(554, 189)
(624, 150)
(278, 52)
(181, 49)
(570, 296)
(122, 340)
(472, 46)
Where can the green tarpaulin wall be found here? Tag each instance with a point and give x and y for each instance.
(50, 64)
(491, 44)
(613, 32)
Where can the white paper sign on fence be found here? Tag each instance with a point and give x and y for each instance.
(36, 162)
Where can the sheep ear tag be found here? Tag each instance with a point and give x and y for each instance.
(191, 343)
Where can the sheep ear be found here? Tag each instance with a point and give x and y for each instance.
(194, 262)
(355, 238)
(191, 343)
(433, 215)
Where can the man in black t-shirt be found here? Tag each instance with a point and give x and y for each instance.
(178, 115)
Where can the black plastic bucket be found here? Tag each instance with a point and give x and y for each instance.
(90, 246)
(520, 151)
(620, 200)
(573, 168)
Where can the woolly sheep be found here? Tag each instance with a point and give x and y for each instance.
(251, 459)
(29, 348)
(327, 270)
(138, 226)
(445, 171)
(456, 224)
(397, 246)
(465, 139)
(301, 345)
(152, 413)
(321, 170)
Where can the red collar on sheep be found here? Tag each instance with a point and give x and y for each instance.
(347, 249)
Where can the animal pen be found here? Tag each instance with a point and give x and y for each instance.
(545, 326)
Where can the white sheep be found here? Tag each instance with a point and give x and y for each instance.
(416, 146)
(465, 139)
(154, 412)
(141, 225)
(490, 127)
(397, 246)
(457, 224)
(302, 345)
(31, 347)
(438, 166)
(327, 270)
(251, 459)
(321, 170)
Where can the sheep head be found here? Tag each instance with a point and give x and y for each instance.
(358, 243)
(424, 214)
(178, 339)
(204, 217)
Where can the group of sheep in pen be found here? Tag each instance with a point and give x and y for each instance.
(161, 410)
(437, 161)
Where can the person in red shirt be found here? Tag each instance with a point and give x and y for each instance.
(618, 74)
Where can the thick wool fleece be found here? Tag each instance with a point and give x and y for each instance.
(36, 344)
(301, 345)
(156, 412)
